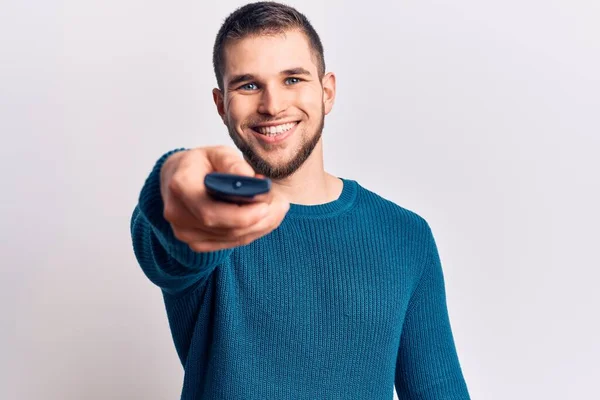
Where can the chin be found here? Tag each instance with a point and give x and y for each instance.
(273, 169)
(275, 162)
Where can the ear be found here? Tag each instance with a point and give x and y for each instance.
(328, 84)
(220, 103)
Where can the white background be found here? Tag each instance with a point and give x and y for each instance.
(481, 116)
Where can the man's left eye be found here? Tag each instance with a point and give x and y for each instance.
(296, 80)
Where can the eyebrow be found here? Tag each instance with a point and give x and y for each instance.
(249, 77)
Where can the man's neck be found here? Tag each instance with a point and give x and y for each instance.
(310, 184)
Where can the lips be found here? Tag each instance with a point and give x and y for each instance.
(274, 138)
(275, 129)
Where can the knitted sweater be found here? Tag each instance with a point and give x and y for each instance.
(342, 301)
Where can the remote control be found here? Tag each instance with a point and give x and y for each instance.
(236, 189)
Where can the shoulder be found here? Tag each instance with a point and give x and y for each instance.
(391, 213)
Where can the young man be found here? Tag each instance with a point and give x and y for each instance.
(320, 290)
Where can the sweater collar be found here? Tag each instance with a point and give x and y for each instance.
(343, 203)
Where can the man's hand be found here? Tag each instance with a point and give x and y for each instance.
(209, 225)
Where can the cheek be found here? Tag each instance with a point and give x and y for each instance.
(237, 109)
(310, 100)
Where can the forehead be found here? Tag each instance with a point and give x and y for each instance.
(268, 54)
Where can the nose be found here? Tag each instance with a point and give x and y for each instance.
(272, 101)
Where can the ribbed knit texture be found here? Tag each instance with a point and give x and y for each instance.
(342, 301)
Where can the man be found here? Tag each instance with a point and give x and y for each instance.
(320, 290)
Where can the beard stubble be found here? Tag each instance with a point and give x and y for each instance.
(262, 166)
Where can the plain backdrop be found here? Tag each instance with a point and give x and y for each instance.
(481, 116)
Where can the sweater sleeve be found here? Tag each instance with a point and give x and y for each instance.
(428, 367)
(167, 262)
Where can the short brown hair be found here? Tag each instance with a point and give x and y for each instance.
(264, 18)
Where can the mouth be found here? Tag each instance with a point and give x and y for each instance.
(274, 134)
(274, 130)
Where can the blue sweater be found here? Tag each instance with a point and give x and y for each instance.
(342, 301)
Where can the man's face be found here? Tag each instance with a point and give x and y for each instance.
(273, 102)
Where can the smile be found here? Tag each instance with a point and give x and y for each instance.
(275, 130)
(275, 134)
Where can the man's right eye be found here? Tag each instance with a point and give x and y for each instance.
(246, 86)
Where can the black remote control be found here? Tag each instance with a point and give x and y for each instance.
(236, 189)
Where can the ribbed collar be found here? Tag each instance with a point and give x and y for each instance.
(343, 203)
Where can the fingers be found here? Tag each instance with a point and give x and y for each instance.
(237, 238)
(235, 221)
(276, 211)
(209, 215)
(210, 239)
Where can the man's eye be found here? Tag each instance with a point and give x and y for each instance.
(297, 80)
(245, 87)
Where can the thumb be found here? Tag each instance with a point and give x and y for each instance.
(227, 160)
(241, 167)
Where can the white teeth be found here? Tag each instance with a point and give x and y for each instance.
(275, 130)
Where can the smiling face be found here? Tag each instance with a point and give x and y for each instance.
(273, 102)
